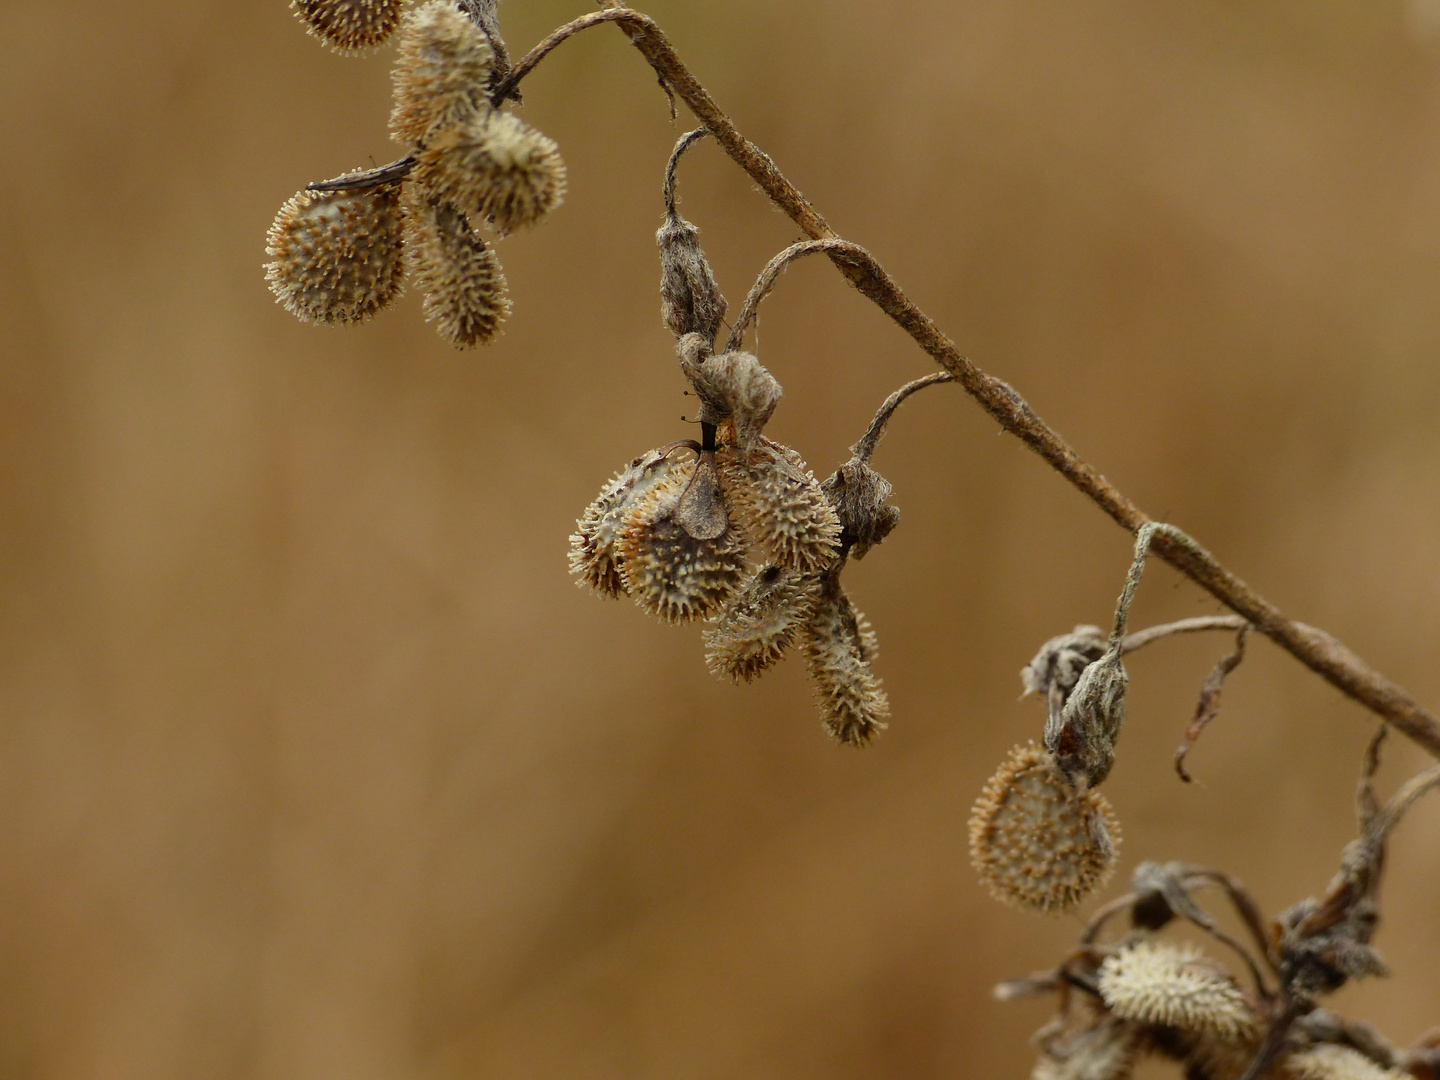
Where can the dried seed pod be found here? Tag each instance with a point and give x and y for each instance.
(760, 623)
(1083, 737)
(493, 166)
(858, 494)
(1332, 1062)
(337, 255)
(349, 25)
(464, 285)
(1105, 1051)
(690, 300)
(1058, 664)
(593, 555)
(1037, 842)
(838, 649)
(1154, 982)
(731, 386)
(443, 65)
(678, 556)
(779, 506)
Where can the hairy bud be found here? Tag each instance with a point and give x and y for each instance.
(464, 285)
(763, 620)
(779, 506)
(839, 649)
(731, 386)
(494, 166)
(337, 255)
(690, 300)
(858, 494)
(1083, 737)
(349, 25)
(1154, 982)
(442, 69)
(593, 555)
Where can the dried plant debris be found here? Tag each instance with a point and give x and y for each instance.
(859, 496)
(442, 70)
(839, 649)
(777, 502)
(495, 167)
(349, 25)
(1105, 1049)
(1083, 738)
(757, 627)
(1037, 841)
(1208, 707)
(690, 299)
(732, 386)
(464, 285)
(1331, 1062)
(1155, 982)
(594, 556)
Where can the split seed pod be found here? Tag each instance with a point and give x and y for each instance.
(442, 70)
(858, 494)
(690, 300)
(337, 255)
(348, 25)
(494, 166)
(1082, 737)
(464, 285)
(762, 621)
(839, 649)
(778, 504)
(1037, 842)
(593, 555)
(1155, 982)
(731, 386)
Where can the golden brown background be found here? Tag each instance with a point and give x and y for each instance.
(314, 762)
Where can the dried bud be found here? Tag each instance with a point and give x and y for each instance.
(494, 166)
(442, 69)
(779, 506)
(1038, 842)
(858, 494)
(1331, 1062)
(1154, 982)
(1083, 738)
(460, 274)
(337, 254)
(690, 300)
(760, 623)
(1105, 1051)
(1057, 666)
(731, 386)
(678, 556)
(348, 25)
(592, 548)
(839, 649)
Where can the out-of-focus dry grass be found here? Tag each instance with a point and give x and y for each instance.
(313, 762)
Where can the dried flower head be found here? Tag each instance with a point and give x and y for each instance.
(1155, 982)
(1107, 1050)
(763, 620)
(593, 555)
(858, 493)
(464, 285)
(1083, 737)
(731, 386)
(1332, 1062)
(1057, 666)
(777, 503)
(1037, 842)
(494, 166)
(690, 300)
(839, 649)
(349, 25)
(337, 255)
(443, 65)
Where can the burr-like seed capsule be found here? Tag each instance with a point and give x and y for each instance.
(756, 628)
(442, 70)
(337, 255)
(1332, 1062)
(349, 25)
(1037, 842)
(838, 649)
(1155, 982)
(690, 300)
(493, 166)
(593, 555)
(777, 503)
(460, 274)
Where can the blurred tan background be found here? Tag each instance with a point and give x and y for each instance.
(313, 762)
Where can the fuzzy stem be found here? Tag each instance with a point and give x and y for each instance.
(863, 449)
(689, 139)
(1138, 640)
(771, 274)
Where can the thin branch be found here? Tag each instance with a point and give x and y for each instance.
(865, 448)
(368, 178)
(771, 274)
(689, 139)
(1150, 634)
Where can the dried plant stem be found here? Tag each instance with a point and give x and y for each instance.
(1151, 634)
(865, 448)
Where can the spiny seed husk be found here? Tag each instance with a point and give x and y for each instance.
(1106, 1051)
(494, 166)
(760, 623)
(337, 255)
(838, 648)
(690, 300)
(349, 25)
(1037, 843)
(1155, 982)
(593, 555)
(778, 504)
(460, 274)
(669, 572)
(1332, 1062)
(442, 70)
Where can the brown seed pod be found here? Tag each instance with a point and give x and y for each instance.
(1107, 1050)
(690, 300)
(763, 620)
(337, 255)
(493, 166)
(1155, 982)
(349, 25)
(776, 502)
(460, 274)
(442, 70)
(731, 386)
(839, 648)
(593, 557)
(858, 494)
(1037, 842)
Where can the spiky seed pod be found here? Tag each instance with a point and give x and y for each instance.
(337, 255)
(777, 503)
(1333, 1062)
(1105, 1051)
(690, 300)
(442, 70)
(763, 620)
(1155, 982)
(858, 494)
(1037, 842)
(494, 166)
(678, 556)
(839, 646)
(731, 386)
(460, 274)
(349, 25)
(593, 555)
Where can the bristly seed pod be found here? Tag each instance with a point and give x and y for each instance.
(494, 166)
(593, 555)
(1333, 1062)
(731, 386)
(1104, 1051)
(1154, 982)
(1037, 842)
(756, 628)
(779, 506)
(349, 25)
(443, 65)
(690, 299)
(858, 494)
(839, 647)
(464, 285)
(337, 254)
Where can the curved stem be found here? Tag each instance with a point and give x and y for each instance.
(548, 44)
(689, 139)
(771, 273)
(866, 446)
(1150, 634)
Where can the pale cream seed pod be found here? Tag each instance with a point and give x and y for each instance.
(755, 629)
(1037, 843)
(1155, 982)
(442, 72)
(839, 647)
(460, 274)
(337, 256)
(593, 555)
(777, 502)
(494, 166)
(349, 25)
(1332, 1062)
